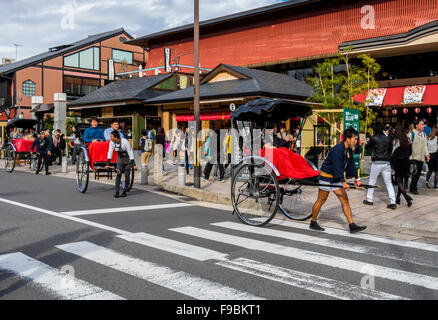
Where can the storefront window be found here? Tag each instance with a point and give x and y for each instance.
(78, 87)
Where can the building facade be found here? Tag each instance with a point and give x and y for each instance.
(76, 69)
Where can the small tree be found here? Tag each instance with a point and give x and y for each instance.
(335, 90)
(48, 122)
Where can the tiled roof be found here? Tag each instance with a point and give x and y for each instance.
(121, 90)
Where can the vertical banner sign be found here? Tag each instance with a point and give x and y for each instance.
(110, 69)
(351, 119)
(167, 59)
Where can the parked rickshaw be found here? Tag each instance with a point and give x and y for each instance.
(17, 150)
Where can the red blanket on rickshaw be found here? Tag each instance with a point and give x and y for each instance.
(22, 145)
(289, 164)
(98, 152)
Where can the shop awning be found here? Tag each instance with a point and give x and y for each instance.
(204, 116)
(394, 96)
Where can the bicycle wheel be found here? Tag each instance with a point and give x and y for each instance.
(297, 201)
(10, 158)
(82, 172)
(255, 194)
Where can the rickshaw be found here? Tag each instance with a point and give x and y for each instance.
(92, 158)
(264, 180)
(18, 150)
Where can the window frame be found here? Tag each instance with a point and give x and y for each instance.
(79, 59)
(23, 87)
(131, 52)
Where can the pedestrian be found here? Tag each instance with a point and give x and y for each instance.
(44, 150)
(76, 144)
(402, 150)
(49, 137)
(161, 139)
(338, 164)
(147, 147)
(427, 129)
(174, 146)
(215, 143)
(228, 146)
(432, 146)
(419, 153)
(381, 144)
(125, 161)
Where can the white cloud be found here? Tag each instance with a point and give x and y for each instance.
(37, 24)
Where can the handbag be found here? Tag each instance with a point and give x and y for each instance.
(413, 169)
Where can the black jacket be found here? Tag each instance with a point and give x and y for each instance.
(161, 139)
(42, 146)
(339, 161)
(402, 153)
(382, 147)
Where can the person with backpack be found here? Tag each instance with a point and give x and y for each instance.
(147, 147)
(420, 152)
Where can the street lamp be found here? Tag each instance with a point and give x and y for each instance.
(196, 103)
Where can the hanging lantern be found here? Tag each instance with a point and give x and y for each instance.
(429, 110)
(417, 110)
(394, 111)
(405, 110)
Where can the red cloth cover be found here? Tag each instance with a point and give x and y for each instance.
(22, 145)
(98, 152)
(289, 164)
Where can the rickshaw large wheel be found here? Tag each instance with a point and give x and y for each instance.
(131, 180)
(82, 172)
(255, 194)
(10, 158)
(296, 201)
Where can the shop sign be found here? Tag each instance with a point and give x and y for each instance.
(110, 69)
(414, 94)
(108, 112)
(351, 119)
(167, 60)
(232, 107)
(375, 97)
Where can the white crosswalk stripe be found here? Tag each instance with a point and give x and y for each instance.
(178, 281)
(313, 257)
(328, 287)
(127, 209)
(363, 236)
(52, 280)
(327, 243)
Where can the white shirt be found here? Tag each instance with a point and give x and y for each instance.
(123, 146)
(432, 145)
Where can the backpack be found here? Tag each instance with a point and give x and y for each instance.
(148, 145)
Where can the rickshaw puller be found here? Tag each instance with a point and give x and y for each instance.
(338, 163)
(125, 161)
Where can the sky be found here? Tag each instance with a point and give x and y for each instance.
(37, 25)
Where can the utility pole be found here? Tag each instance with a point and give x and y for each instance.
(196, 104)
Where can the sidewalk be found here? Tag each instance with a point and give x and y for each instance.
(419, 222)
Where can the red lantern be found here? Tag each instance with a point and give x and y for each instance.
(417, 110)
(429, 110)
(405, 110)
(394, 111)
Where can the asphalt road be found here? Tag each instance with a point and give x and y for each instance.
(56, 243)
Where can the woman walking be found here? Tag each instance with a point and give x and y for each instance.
(402, 150)
(432, 145)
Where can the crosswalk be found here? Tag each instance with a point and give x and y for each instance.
(287, 254)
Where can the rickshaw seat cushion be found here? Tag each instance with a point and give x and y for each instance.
(289, 164)
(98, 152)
(22, 145)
